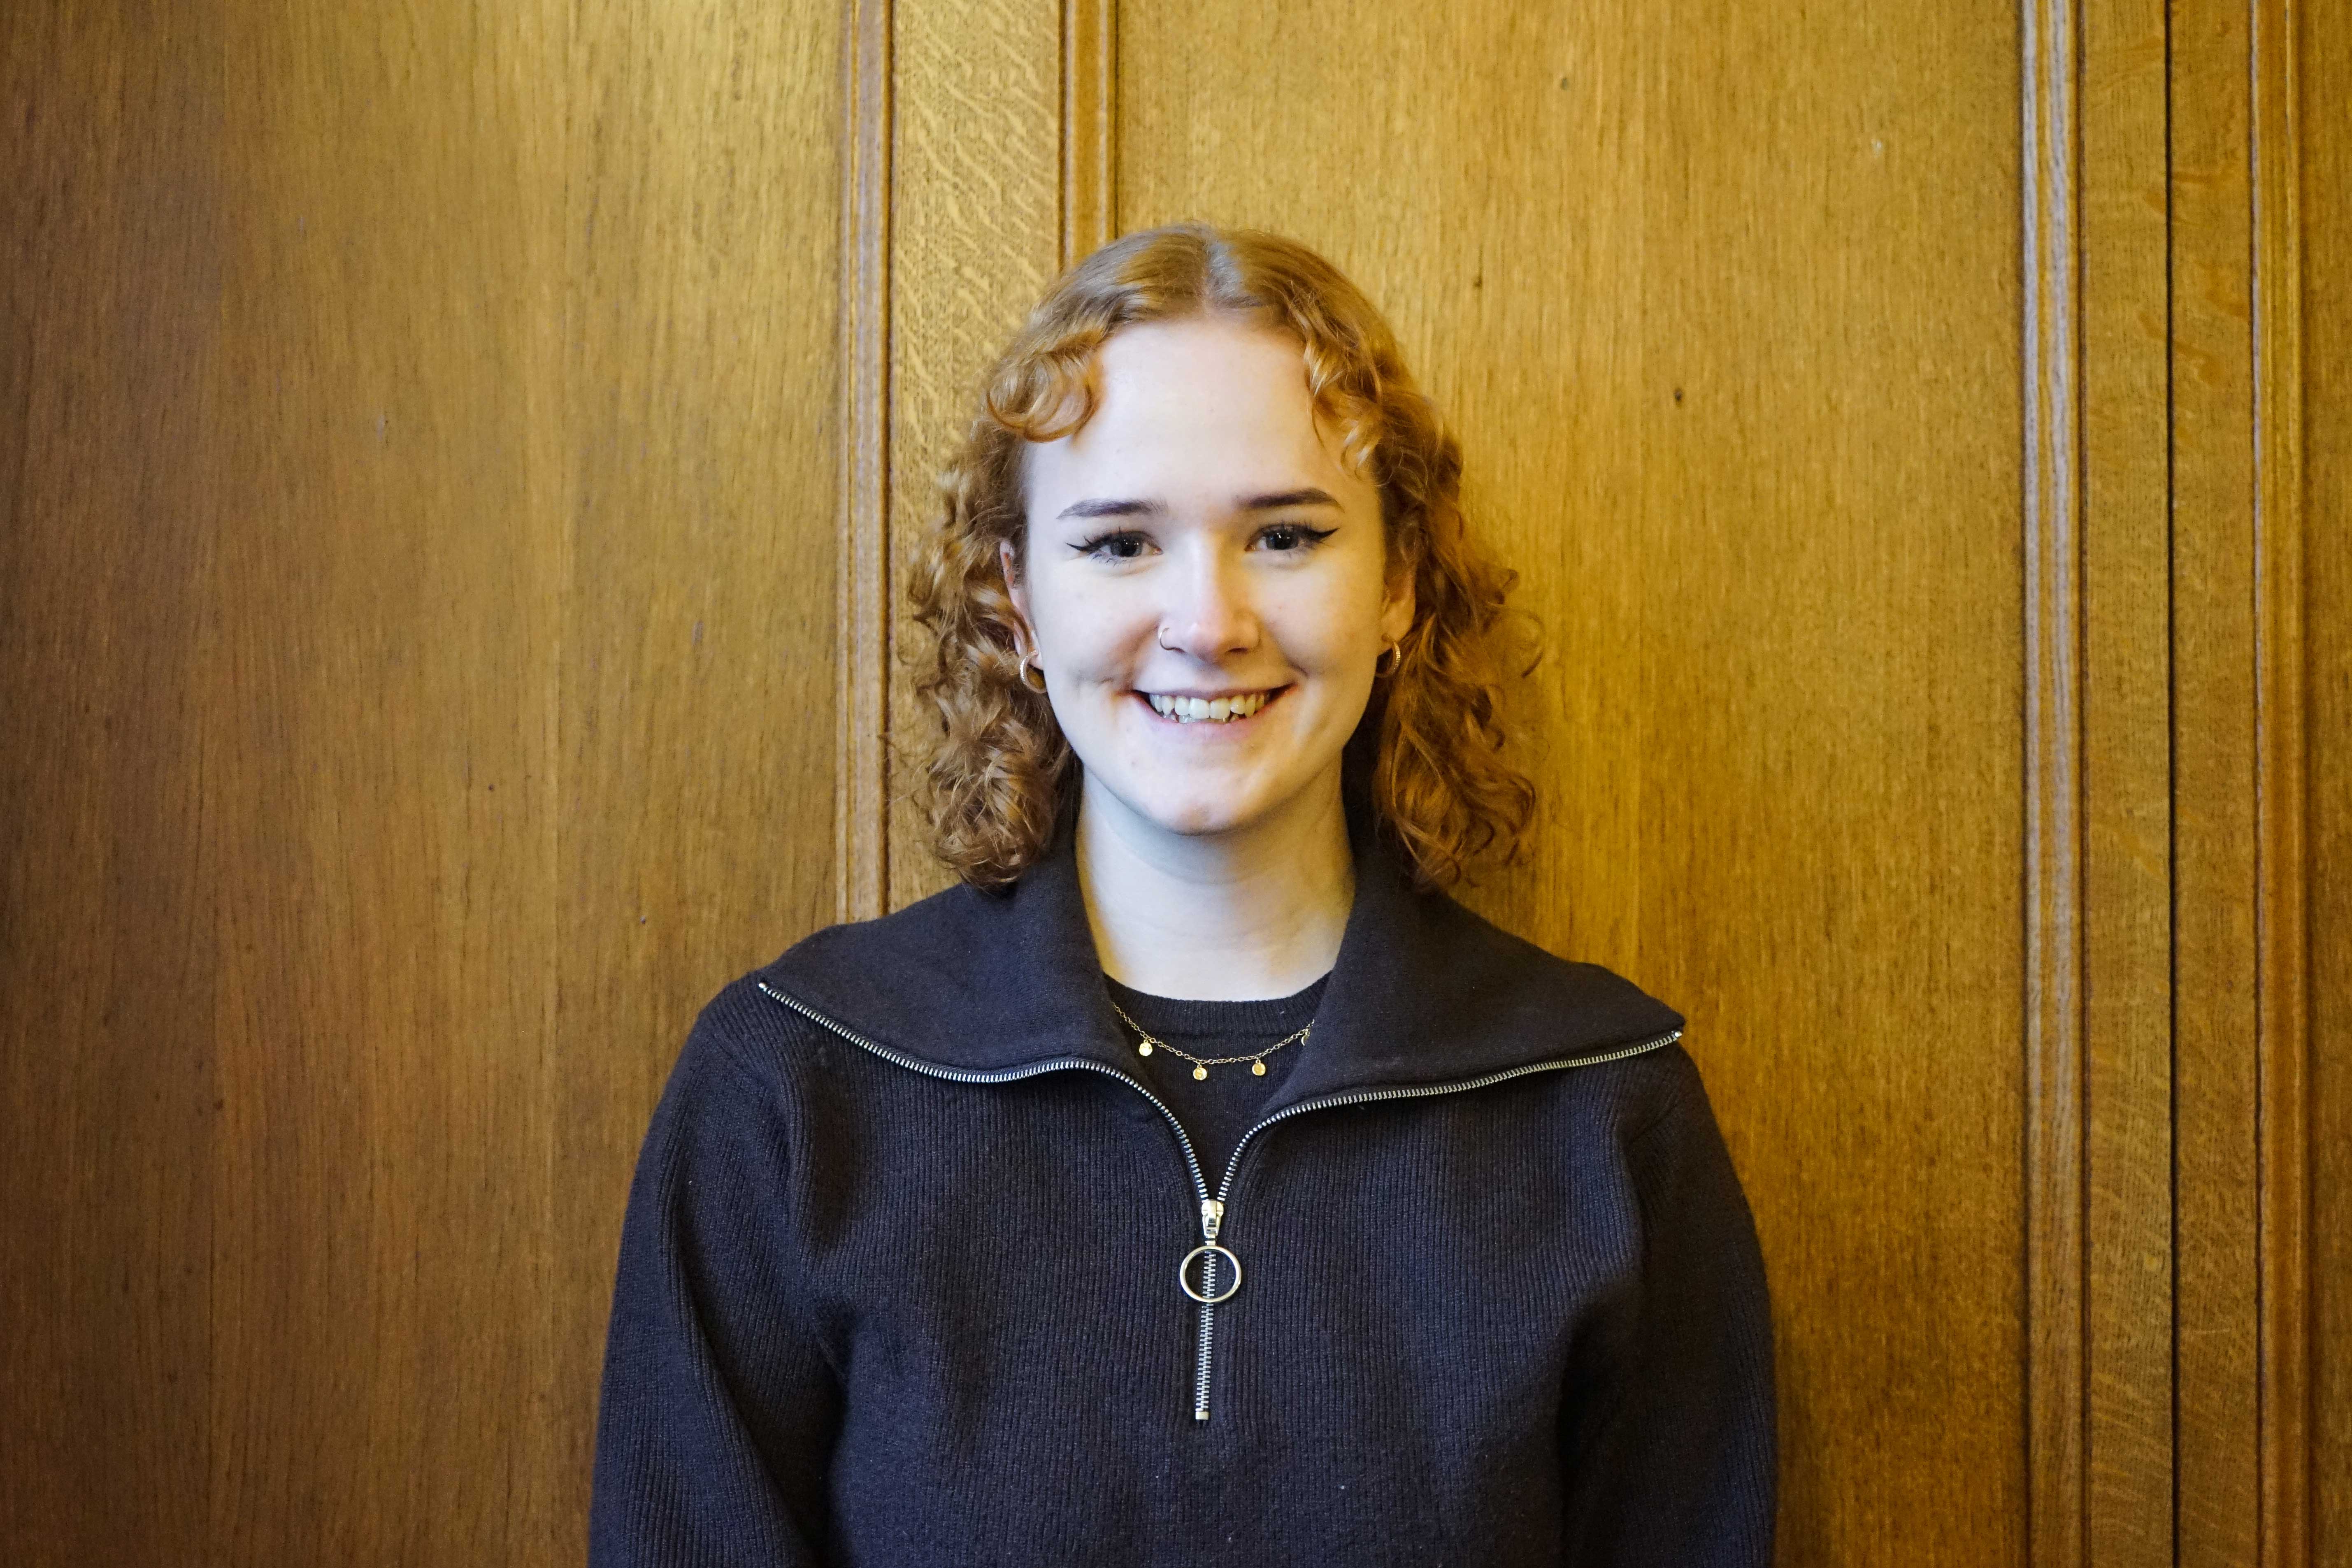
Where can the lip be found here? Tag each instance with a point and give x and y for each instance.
(1274, 694)
(1270, 693)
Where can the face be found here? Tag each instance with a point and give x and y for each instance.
(1205, 584)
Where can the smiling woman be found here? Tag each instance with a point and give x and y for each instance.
(937, 1244)
(1208, 653)
(1168, 364)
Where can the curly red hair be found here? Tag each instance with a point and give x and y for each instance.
(1430, 745)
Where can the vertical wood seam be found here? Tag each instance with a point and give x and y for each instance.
(861, 642)
(2172, 746)
(1089, 126)
(2281, 932)
(2056, 1191)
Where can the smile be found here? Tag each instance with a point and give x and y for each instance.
(1208, 710)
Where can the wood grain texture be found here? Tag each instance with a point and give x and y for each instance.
(698, 632)
(440, 642)
(2214, 652)
(420, 585)
(2057, 1157)
(112, 253)
(2126, 792)
(2326, 61)
(1724, 304)
(2281, 930)
(862, 635)
(1089, 126)
(383, 791)
(977, 216)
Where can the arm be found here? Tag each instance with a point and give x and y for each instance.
(717, 1409)
(1671, 1453)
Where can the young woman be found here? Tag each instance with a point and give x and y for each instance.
(1196, 1182)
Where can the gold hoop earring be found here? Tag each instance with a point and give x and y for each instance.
(1394, 655)
(1029, 665)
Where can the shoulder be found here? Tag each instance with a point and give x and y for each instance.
(735, 1054)
(1519, 998)
(1665, 1095)
(890, 979)
(1428, 990)
(847, 973)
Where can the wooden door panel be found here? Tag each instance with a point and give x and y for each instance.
(1724, 304)
(2327, 195)
(106, 1066)
(696, 414)
(975, 185)
(417, 467)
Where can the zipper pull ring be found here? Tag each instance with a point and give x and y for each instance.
(1214, 1288)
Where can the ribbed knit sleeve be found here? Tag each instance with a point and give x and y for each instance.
(1671, 1452)
(717, 1409)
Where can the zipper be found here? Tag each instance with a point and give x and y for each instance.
(1366, 1097)
(1212, 1288)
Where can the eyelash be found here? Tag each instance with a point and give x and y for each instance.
(1310, 537)
(1099, 545)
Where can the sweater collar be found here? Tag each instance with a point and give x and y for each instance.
(1423, 990)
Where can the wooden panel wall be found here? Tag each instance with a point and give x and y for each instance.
(1787, 609)
(417, 449)
(371, 699)
(1724, 303)
(2241, 1389)
(457, 466)
(2213, 607)
(2186, 1436)
(115, 251)
(976, 217)
(2326, 61)
(2101, 1378)
(699, 426)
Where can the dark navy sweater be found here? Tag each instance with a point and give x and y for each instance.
(1217, 1111)
(900, 1279)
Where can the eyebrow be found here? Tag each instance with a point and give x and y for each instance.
(1122, 508)
(1309, 497)
(1114, 509)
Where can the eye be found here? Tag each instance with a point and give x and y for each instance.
(1292, 538)
(1120, 544)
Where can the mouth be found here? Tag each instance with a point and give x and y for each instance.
(1227, 708)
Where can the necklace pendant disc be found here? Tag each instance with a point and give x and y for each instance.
(1200, 1072)
(1258, 1069)
(1143, 1048)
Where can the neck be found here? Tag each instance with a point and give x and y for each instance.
(1257, 912)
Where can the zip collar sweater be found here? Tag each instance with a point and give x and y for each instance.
(917, 1270)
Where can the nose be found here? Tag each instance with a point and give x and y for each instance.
(1210, 618)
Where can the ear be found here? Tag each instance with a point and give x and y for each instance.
(1025, 640)
(1396, 608)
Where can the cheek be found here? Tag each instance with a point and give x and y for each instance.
(1082, 629)
(1328, 628)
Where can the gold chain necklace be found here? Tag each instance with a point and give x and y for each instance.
(1149, 1043)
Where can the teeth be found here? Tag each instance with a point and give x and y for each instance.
(1206, 709)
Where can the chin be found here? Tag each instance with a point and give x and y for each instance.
(1199, 821)
(1200, 815)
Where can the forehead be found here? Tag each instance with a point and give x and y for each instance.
(1189, 407)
